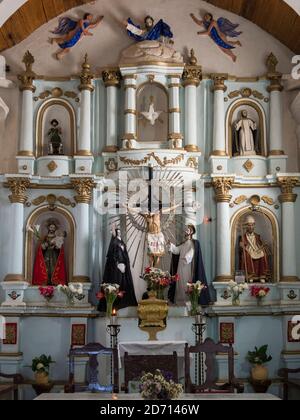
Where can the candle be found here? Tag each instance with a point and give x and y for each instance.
(199, 319)
(113, 318)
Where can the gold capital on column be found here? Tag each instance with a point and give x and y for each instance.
(192, 74)
(86, 76)
(287, 185)
(219, 81)
(222, 187)
(18, 187)
(273, 75)
(84, 189)
(112, 77)
(28, 76)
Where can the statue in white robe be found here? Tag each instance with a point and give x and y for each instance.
(245, 136)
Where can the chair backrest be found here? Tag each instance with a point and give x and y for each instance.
(210, 349)
(17, 380)
(93, 350)
(135, 366)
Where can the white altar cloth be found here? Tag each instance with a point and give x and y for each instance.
(148, 348)
(128, 397)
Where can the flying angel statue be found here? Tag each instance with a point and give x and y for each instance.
(69, 32)
(219, 31)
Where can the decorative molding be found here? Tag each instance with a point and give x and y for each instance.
(162, 163)
(28, 76)
(52, 166)
(292, 295)
(86, 76)
(112, 77)
(222, 187)
(84, 189)
(192, 148)
(18, 187)
(111, 165)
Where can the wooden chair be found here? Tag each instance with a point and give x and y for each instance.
(93, 350)
(135, 366)
(289, 382)
(211, 349)
(17, 380)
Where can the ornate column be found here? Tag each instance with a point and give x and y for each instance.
(219, 140)
(276, 117)
(192, 77)
(174, 107)
(26, 145)
(15, 264)
(130, 111)
(84, 157)
(83, 187)
(111, 79)
(288, 228)
(222, 187)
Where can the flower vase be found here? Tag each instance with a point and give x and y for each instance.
(260, 301)
(194, 305)
(41, 378)
(109, 309)
(236, 301)
(160, 294)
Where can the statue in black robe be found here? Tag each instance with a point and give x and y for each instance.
(118, 271)
(187, 261)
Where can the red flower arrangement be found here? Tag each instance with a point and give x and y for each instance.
(158, 280)
(47, 292)
(259, 292)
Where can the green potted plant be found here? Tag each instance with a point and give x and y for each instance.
(41, 366)
(258, 358)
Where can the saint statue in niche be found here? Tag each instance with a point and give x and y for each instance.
(254, 253)
(55, 146)
(71, 31)
(245, 136)
(219, 31)
(118, 271)
(187, 262)
(49, 267)
(151, 31)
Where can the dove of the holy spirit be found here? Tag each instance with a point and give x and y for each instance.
(152, 115)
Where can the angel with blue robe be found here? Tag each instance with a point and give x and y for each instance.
(70, 32)
(151, 31)
(219, 31)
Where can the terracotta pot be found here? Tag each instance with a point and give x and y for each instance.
(259, 373)
(41, 378)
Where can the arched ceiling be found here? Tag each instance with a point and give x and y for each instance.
(275, 17)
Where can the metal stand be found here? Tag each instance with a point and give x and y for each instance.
(113, 331)
(198, 330)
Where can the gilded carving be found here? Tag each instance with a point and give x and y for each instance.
(241, 199)
(219, 81)
(222, 187)
(192, 162)
(51, 199)
(86, 76)
(28, 76)
(18, 188)
(112, 77)
(52, 166)
(268, 200)
(273, 75)
(192, 74)
(84, 189)
(146, 159)
(248, 165)
(56, 93)
(287, 185)
(111, 165)
(246, 93)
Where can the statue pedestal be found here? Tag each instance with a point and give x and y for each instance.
(54, 166)
(14, 293)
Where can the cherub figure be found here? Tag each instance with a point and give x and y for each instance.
(219, 31)
(71, 31)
